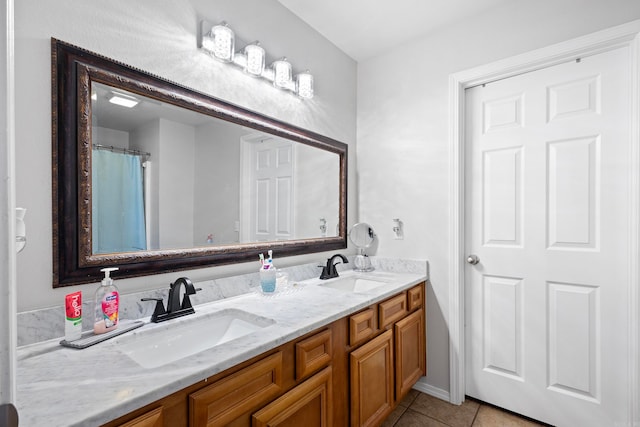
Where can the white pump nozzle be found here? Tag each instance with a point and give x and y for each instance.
(107, 271)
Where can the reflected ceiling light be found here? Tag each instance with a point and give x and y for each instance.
(220, 41)
(123, 100)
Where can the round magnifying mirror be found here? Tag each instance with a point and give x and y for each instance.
(362, 236)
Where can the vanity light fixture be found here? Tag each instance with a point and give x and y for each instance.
(123, 100)
(219, 41)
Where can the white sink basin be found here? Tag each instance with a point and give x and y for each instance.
(188, 336)
(354, 284)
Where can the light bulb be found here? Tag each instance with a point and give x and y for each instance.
(255, 59)
(304, 85)
(282, 73)
(220, 42)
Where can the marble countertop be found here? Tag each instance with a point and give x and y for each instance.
(59, 386)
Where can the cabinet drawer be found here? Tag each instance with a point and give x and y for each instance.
(362, 326)
(415, 297)
(313, 353)
(239, 393)
(153, 418)
(308, 405)
(392, 309)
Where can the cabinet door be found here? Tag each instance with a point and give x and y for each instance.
(410, 352)
(372, 381)
(309, 405)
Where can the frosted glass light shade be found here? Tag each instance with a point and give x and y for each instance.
(255, 59)
(282, 73)
(304, 85)
(220, 42)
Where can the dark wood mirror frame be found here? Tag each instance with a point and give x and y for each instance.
(73, 71)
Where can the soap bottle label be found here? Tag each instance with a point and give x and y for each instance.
(110, 309)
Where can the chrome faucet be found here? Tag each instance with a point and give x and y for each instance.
(329, 271)
(175, 308)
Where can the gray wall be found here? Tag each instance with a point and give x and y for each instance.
(176, 188)
(217, 196)
(160, 37)
(402, 148)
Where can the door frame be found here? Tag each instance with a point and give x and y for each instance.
(620, 36)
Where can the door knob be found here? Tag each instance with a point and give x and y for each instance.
(473, 259)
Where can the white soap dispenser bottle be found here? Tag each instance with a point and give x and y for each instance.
(106, 304)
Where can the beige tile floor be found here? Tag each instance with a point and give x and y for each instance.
(421, 410)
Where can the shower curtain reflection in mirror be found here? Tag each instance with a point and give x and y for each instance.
(118, 209)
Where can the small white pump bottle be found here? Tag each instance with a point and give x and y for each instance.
(107, 301)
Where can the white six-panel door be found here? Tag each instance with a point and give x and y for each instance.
(547, 214)
(271, 209)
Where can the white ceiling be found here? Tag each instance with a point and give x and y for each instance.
(364, 28)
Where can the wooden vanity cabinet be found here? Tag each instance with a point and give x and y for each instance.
(384, 369)
(351, 372)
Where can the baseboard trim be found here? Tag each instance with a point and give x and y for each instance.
(424, 387)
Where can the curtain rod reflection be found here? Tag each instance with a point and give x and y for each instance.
(121, 150)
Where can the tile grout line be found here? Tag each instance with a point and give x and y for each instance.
(475, 416)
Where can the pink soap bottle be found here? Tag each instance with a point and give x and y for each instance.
(106, 304)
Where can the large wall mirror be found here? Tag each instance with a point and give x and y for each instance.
(152, 177)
